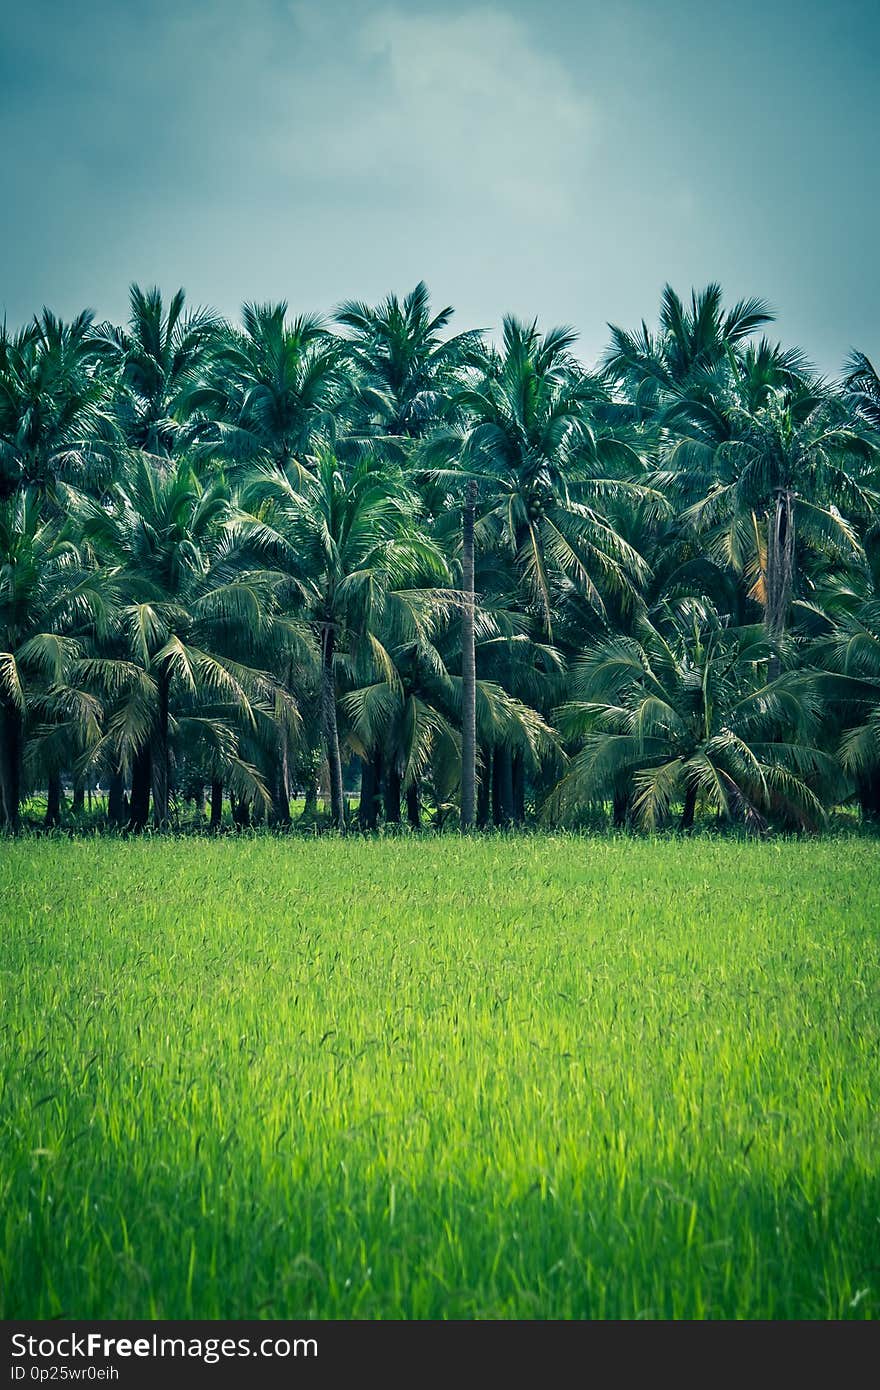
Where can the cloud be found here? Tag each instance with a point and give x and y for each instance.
(461, 106)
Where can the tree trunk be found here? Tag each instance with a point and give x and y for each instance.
(518, 802)
(141, 781)
(413, 808)
(280, 791)
(216, 805)
(497, 814)
(162, 764)
(868, 788)
(468, 663)
(11, 742)
(331, 731)
(371, 781)
(116, 799)
(780, 574)
(484, 789)
(392, 796)
(690, 806)
(310, 802)
(620, 809)
(53, 801)
(241, 812)
(78, 804)
(502, 786)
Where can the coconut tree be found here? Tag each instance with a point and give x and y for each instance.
(546, 463)
(841, 627)
(275, 388)
(52, 604)
(792, 474)
(356, 564)
(862, 388)
(656, 367)
(538, 440)
(53, 417)
(160, 358)
(683, 712)
(191, 628)
(407, 369)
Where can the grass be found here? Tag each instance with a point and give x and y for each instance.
(504, 1077)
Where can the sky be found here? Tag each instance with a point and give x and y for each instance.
(558, 159)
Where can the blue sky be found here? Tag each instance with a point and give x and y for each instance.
(556, 159)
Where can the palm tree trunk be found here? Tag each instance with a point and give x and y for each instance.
(497, 819)
(331, 730)
(162, 764)
(78, 804)
(468, 663)
(216, 805)
(53, 801)
(690, 806)
(141, 782)
(780, 575)
(413, 808)
(869, 796)
(280, 789)
(620, 809)
(11, 741)
(371, 773)
(116, 799)
(518, 803)
(392, 796)
(502, 787)
(310, 800)
(484, 789)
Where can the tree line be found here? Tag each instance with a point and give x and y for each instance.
(463, 581)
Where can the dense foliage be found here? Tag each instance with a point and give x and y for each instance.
(452, 579)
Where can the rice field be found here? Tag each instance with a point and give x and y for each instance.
(535, 1076)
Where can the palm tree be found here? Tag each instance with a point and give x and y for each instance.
(356, 563)
(862, 387)
(546, 463)
(189, 629)
(53, 421)
(275, 388)
(160, 358)
(771, 480)
(842, 664)
(468, 661)
(407, 369)
(658, 367)
(683, 711)
(545, 455)
(51, 604)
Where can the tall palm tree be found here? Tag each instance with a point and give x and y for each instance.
(546, 463)
(794, 471)
(53, 417)
(862, 387)
(681, 712)
(468, 660)
(408, 370)
(160, 358)
(842, 665)
(190, 629)
(538, 441)
(356, 563)
(657, 367)
(51, 604)
(275, 388)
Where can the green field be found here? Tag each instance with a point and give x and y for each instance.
(502, 1077)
